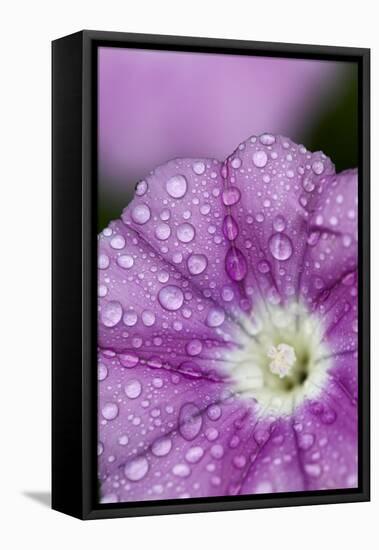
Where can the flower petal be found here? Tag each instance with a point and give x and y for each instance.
(272, 188)
(162, 435)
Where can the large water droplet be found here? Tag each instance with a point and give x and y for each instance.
(133, 389)
(162, 231)
(148, 318)
(111, 314)
(197, 263)
(103, 261)
(181, 470)
(235, 264)
(128, 360)
(171, 297)
(260, 159)
(125, 261)
(230, 228)
(141, 214)
(161, 447)
(280, 246)
(198, 167)
(267, 139)
(194, 347)
(216, 317)
(185, 232)
(118, 242)
(190, 421)
(194, 454)
(109, 411)
(231, 196)
(136, 469)
(176, 186)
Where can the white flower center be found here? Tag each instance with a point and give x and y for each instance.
(281, 358)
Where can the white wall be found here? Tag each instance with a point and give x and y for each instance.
(26, 30)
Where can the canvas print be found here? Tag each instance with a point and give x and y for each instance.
(227, 275)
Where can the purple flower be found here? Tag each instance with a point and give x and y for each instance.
(228, 328)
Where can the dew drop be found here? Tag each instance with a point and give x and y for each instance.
(111, 314)
(267, 139)
(190, 421)
(185, 233)
(230, 228)
(103, 261)
(128, 360)
(141, 188)
(181, 470)
(313, 470)
(214, 412)
(198, 167)
(194, 347)
(318, 167)
(162, 231)
(118, 242)
(109, 411)
(235, 264)
(176, 186)
(263, 266)
(148, 318)
(280, 246)
(102, 372)
(136, 469)
(279, 223)
(306, 441)
(236, 163)
(141, 214)
(231, 196)
(260, 159)
(133, 389)
(197, 263)
(161, 447)
(171, 297)
(216, 317)
(125, 261)
(194, 454)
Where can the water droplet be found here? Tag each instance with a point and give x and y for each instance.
(198, 167)
(313, 470)
(128, 360)
(125, 261)
(318, 167)
(194, 347)
(162, 231)
(267, 139)
(280, 246)
(217, 451)
(148, 318)
(118, 242)
(231, 196)
(328, 416)
(279, 223)
(260, 159)
(306, 441)
(161, 447)
(235, 264)
(194, 454)
(111, 314)
(136, 469)
(230, 228)
(109, 411)
(176, 186)
(171, 297)
(130, 318)
(190, 421)
(141, 188)
(216, 317)
(123, 440)
(197, 263)
(102, 372)
(133, 389)
(181, 470)
(263, 266)
(185, 233)
(100, 448)
(236, 163)
(103, 261)
(214, 412)
(141, 214)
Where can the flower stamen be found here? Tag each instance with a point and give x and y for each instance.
(283, 359)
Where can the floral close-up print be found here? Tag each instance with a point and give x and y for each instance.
(227, 327)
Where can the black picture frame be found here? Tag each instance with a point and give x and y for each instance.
(74, 271)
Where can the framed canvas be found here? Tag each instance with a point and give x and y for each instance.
(210, 275)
